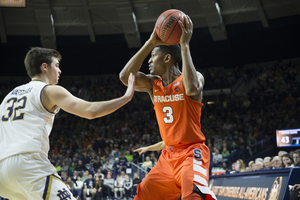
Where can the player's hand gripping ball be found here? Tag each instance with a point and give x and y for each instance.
(167, 27)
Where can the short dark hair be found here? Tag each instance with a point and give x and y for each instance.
(36, 56)
(173, 50)
(287, 156)
(297, 152)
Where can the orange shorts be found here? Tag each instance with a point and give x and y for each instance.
(178, 168)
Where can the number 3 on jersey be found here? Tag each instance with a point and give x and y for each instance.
(12, 109)
(169, 114)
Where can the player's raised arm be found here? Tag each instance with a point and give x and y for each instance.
(58, 96)
(193, 81)
(133, 66)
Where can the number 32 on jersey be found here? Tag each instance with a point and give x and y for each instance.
(14, 108)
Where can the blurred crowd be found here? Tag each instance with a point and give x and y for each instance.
(283, 159)
(93, 156)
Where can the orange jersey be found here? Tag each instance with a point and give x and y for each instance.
(177, 114)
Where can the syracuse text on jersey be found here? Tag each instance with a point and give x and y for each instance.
(168, 98)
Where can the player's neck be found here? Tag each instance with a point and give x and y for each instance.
(171, 75)
(40, 78)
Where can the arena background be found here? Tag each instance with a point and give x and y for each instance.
(269, 32)
(256, 31)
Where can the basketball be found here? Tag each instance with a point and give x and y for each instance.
(167, 27)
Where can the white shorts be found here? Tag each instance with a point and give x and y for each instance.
(31, 176)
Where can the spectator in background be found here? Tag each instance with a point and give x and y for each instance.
(248, 169)
(224, 166)
(108, 185)
(128, 156)
(218, 145)
(276, 162)
(98, 187)
(70, 184)
(99, 174)
(75, 175)
(296, 158)
(281, 153)
(217, 158)
(240, 165)
(78, 186)
(58, 168)
(127, 186)
(267, 162)
(233, 168)
(89, 187)
(234, 150)
(259, 165)
(117, 167)
(225, 152)
(287, 161)
(97, 164)
(80, 166)
(64, 176)
(251, 165)
(90, 167)
(112, 159)
(85, 159)
(64, 168)
(147, 164)
(85, 176)
(119, 187)
(123, 175)
(123, 161)
(152, 158)
(136, 181)
(72, 167)
(107, 166)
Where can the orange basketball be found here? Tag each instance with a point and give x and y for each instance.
(167, 27)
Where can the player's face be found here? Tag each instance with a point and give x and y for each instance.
(156, 62)
(54, 72)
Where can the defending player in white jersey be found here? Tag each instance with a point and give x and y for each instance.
(26, 119)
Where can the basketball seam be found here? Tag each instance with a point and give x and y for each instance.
(174, 27)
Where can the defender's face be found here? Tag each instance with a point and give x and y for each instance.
(156, 62)
(54, 71)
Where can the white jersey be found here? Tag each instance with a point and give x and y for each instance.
(25, 124)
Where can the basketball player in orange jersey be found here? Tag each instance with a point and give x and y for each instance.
(183, 167)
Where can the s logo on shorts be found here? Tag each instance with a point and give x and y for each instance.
(197, 154)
